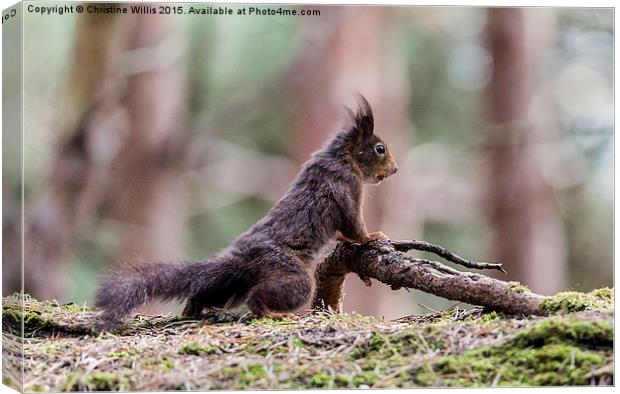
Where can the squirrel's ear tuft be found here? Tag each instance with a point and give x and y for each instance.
(362, 122)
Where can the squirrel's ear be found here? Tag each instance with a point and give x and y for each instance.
(362, 121)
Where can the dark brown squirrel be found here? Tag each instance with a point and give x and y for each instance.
(271, 266)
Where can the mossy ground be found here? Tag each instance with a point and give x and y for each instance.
(458, 347)
(572, 301)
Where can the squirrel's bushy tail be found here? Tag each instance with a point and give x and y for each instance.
(124, 290)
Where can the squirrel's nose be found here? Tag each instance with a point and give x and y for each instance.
(394, 169)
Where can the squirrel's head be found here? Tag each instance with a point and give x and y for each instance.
(369, 153)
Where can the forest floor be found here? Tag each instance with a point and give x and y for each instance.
(457, 347)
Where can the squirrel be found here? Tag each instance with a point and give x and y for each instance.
(271, 266)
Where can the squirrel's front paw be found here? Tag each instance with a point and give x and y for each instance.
(377, 236)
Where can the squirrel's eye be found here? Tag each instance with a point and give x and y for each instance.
(380, 149)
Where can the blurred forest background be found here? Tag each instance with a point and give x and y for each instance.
(165, 136)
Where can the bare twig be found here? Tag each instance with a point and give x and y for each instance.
(423, 246)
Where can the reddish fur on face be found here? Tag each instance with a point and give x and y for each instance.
(270, 267)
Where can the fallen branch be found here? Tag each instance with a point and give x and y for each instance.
(387, 262)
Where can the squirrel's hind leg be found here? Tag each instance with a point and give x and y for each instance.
(193, 308)
(278, 294)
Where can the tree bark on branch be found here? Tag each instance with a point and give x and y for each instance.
(387, 262)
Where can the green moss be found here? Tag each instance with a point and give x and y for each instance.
(196, 349)
(249, 376)
(357, 353)
(489, 317)
(552, 364)
(321, 380)
(70, 383)
(370, 365)
(39, 317)
(118, 354)
(378, 342)
(516, 287)
(342, 380)
(296, 342)
(378, 345)
(103, 381)
(242, 376)
(448, 314)
(553, 351)
(572, 301)
(604, 293)
(365, 378)
(11, 320)
(256, 370)
(230, 370)
(33, 321)
(405, 342)
(97, 381)
(162, 362)
(555, 330)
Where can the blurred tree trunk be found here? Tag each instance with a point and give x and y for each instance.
(89, 126)
(344, 59)
(147, 196)
(523, 210)
(120, 151)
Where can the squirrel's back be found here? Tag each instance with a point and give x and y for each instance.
(308, 215)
